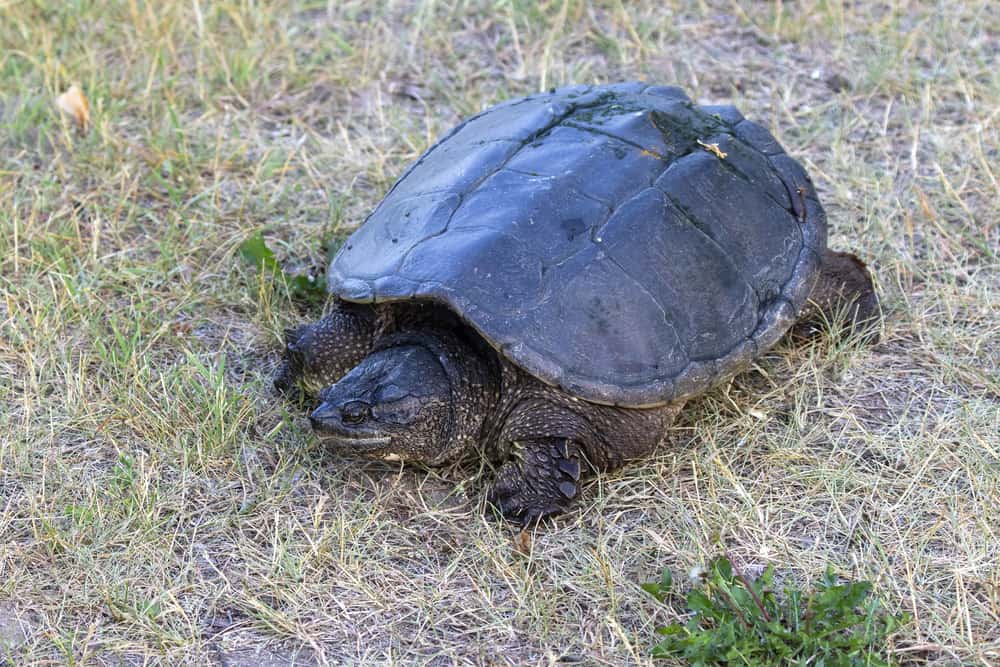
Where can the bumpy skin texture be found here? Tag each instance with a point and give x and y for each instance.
(319, 354)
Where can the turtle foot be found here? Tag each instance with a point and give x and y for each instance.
(539, 481)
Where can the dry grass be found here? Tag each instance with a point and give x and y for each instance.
(157, 505)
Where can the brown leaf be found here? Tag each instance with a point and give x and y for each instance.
(74, 104)
(714, 149)
(522, 543)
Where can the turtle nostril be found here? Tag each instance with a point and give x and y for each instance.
(355, 412)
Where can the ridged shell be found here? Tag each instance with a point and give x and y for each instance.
(617, 241)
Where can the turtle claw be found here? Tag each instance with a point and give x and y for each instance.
(284, 379)
(286, 385)
(523, 509)
(540, 483)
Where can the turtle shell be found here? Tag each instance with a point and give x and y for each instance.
(616, 241)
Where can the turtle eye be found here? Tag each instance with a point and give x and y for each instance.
(355, 412)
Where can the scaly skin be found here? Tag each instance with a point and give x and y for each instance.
(319, 354)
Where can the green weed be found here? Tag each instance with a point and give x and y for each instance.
(738, 621)
(254, 250)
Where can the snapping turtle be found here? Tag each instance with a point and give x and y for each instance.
(551, 281)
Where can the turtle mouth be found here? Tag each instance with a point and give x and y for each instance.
(357, 443)
(372, 448)
(349, 436)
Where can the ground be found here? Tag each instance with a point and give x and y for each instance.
(159, 505)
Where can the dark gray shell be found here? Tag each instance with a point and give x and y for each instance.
(593, 237)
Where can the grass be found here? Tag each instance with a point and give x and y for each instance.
(158, 505)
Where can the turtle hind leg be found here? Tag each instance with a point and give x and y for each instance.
(843, 295)
(319, 354)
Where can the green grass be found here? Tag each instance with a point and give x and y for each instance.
(158, 504)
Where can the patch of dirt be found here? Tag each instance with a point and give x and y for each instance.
(14, 630)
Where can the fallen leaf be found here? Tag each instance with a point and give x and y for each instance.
(713, 149)
(74, 104)
(522, 543)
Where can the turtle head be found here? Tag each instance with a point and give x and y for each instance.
(395, 404)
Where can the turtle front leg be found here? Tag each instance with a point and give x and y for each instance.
(843, 293)
(553, 440)
(539, 480)
(319, 354)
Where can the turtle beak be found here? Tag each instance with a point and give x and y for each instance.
(322, 416)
